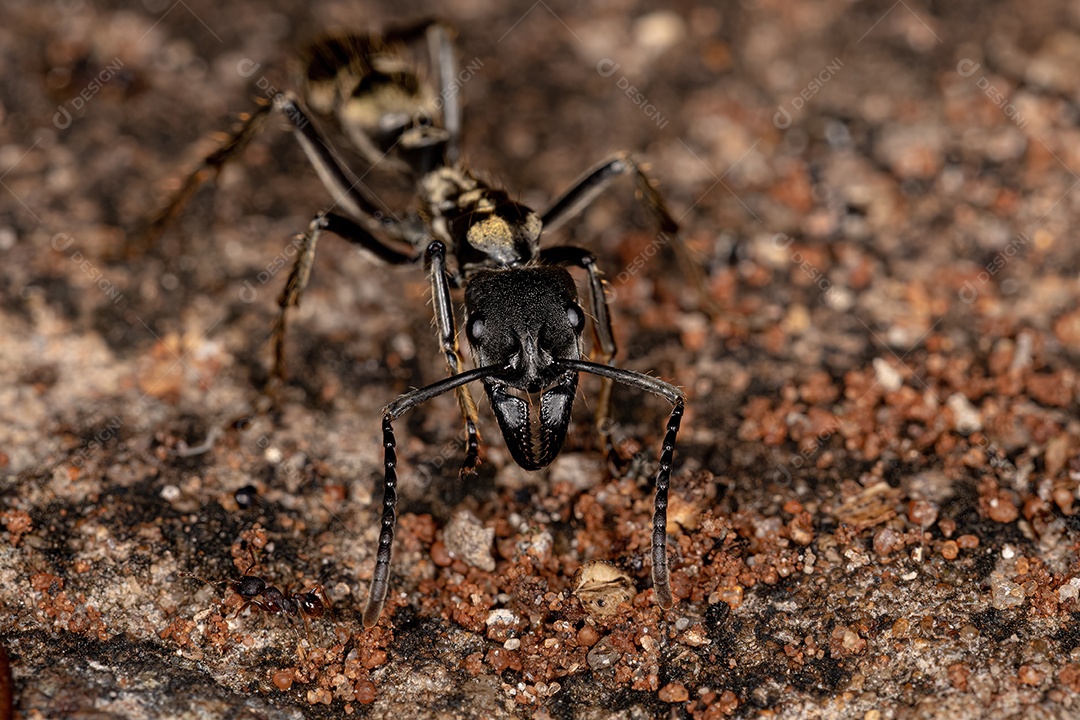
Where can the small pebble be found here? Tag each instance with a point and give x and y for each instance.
(603, 588)
(1029, 675)
(468, 540)
(1070, 590)
(499, 659)
(966, 418)
(958, 674)
(1064, 500)
(659, 31)
(283, 679)
(1004, 592)
(1002, 509)
(695, 637)
(364, 692)
(887, 541)
(587, 636)
(245, 496)
(886, 375)
(376, 658)
(922, 513)
(967, 542)
(603, 655)
(673, 693)
(439, 555)
(733, 596)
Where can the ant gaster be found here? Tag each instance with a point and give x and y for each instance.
(523, 317)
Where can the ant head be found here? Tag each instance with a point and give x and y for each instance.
(527, 320)
(310, 604)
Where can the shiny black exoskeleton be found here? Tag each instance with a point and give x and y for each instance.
(523, 317)
(527, 321)
(256, 593)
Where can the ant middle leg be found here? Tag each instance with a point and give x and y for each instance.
(348, 190)
(590, 185)
(344, 227)
(361, 224)
(604, 348)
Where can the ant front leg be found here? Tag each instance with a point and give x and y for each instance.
(661, 576)
(380, 578)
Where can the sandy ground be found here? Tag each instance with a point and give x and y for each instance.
(875, 491)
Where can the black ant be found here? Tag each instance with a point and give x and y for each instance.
(312, 603)
(255, 592)
(523, 317)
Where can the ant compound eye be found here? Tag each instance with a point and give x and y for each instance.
(475, 329)
(576, 317)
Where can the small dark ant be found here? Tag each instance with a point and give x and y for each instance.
(255, 592)
(312, 603)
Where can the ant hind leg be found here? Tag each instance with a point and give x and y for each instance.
(251, 126)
